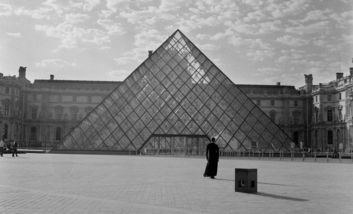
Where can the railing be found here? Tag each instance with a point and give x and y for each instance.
(303, 156)
(36, 145)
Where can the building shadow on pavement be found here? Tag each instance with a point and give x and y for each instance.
(280, 196)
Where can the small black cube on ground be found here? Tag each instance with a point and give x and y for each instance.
(246, 180)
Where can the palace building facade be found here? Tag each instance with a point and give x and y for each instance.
(170, 104)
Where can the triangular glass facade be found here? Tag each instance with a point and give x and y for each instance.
(176, 93)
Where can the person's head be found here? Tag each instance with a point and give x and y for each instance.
(213, 140)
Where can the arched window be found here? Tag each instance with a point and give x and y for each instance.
(329, 114)
(33, 135)
(58, 133)
(329, 137)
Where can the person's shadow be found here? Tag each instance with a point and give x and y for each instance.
(269, 194)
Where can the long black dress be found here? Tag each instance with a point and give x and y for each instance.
(212, 156)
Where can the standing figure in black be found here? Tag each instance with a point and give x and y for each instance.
(212, 156)
(14, 148)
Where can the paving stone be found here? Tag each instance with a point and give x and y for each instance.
(59, 183)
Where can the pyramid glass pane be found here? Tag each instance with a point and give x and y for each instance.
(172, 103)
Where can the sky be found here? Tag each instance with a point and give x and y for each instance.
(251, 41)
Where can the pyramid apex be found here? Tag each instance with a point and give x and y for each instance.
(177, 31)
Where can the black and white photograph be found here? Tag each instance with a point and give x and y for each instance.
(176, 106)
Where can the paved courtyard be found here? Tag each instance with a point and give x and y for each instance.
(62, 183)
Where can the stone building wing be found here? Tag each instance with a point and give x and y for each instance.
(176, 92)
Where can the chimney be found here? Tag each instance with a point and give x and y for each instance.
(22, 72)
(278, 83)
(150, 52)
(308, 82)
(339, 76)
(51, 77)
(351, 71)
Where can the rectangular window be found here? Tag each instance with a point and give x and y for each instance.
(6, 108)
(96, 99)
(34, 112)
(329, 137)
(329, 97)
(295, 103)
(339, 96)
(38, 97)
(54, 98)
(272, 102)
(58, 133)
(33, 135)
(67, 98)
(30, 97)
(329, 115)
(82, 99)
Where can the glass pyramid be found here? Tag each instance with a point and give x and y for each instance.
(173, 102)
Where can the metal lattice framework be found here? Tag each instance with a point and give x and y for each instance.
(176, 91)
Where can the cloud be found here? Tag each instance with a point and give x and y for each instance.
(316, 15)
(114, 5)
(72, 31)
(317, 27)
(260, 55)
(120, 74)
(49, 10)
(75, 18)
(167, 5)
(253, 3)
(257, 15)
(150, 39)
(292, 41)
(267, 71)
(281, 9)
(348, 38)
(57, 63)
(5, 9)
(221, 35)
(41, 13)
(89, 5)
(15, 35)
(209, 47)
(111, 27)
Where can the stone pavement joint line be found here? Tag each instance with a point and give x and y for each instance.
(34, 199)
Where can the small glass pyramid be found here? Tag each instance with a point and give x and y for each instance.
(172, 103)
